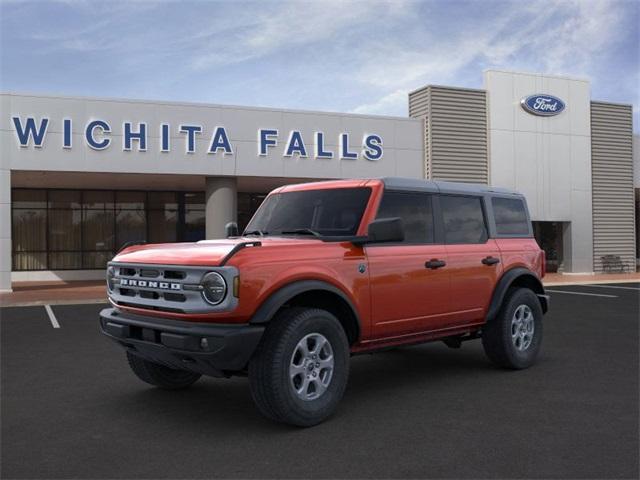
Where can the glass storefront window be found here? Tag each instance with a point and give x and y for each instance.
(65, 230)
(163, 216)
(64, 199)
(29, 230)
(162, 201)
(56, 229)
(194, 200)
(131, 226)
(97, 230)
(65, 260)
(29, 198)
(194, 217)
(97, 199)
(194, 226)
(94, 260)
(29, 238)
(130, 200)
(163, 226)
(30, 261)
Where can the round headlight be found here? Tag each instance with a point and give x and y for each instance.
(111, 272)
(214, 288)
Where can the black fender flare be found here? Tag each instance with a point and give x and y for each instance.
(280, 297)
(506, 280)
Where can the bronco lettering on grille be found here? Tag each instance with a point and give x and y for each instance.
(129, 282)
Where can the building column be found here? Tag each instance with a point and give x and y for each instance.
(5, 230)
(221, 205)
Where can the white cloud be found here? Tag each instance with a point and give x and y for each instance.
(394, 103)
(363, 56)
(289, 26)
(563, 37)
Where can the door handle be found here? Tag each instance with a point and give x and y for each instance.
(435, 263)
(490, 260)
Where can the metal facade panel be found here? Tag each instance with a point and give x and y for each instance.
(455, 132)
(612, 180)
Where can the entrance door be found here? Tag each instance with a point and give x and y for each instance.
(409, 280)
(549, 238)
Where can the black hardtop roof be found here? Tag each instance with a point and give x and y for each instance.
(437, 186)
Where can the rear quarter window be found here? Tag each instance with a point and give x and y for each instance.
(510, 216)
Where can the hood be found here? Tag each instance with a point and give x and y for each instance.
(203, 253)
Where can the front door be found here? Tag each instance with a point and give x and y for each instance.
(406, 295)
(409, 281)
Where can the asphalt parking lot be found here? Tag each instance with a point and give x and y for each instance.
(72, 409)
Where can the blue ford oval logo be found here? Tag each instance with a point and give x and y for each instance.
(540, 104)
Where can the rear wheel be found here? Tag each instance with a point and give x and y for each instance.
(300, 369)
(513, 338)
(159, 375)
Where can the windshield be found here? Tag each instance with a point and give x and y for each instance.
(329, 212)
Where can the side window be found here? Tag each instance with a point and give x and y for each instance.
(416, 213)
(511, 216)
(463, 219)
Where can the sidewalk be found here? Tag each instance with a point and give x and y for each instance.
(554, 279)
(56, 293)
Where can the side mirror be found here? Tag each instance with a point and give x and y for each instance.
(231, 229)
(386, 230)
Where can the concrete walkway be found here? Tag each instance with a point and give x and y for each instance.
(60, 293)
(554, 279)
(54, 293)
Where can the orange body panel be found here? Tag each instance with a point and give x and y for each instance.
(397, 299)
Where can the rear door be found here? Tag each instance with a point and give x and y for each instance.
(473, 258)
(409, 280)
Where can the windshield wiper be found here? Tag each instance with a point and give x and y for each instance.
(302, 231)
(254, 232)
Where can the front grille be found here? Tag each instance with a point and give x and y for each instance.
(175, 297)
(174, 274)
(150, 294)
(166, 288)
(146, 273)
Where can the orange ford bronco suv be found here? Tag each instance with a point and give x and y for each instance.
(326, 270)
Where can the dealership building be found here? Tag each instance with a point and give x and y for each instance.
(80, 177)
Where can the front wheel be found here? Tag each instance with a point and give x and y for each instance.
(300, 369)
(513, 338)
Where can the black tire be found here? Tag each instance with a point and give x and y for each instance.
(272, 388)
(159, 375)
(497, 333)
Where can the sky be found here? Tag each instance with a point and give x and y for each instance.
(344, 56)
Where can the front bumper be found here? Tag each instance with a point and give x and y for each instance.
(180, 345)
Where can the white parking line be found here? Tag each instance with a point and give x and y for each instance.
(52, 317)
(614, 286)
(582, 293)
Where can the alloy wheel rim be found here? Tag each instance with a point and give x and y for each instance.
(311, 367)
(522, 327)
